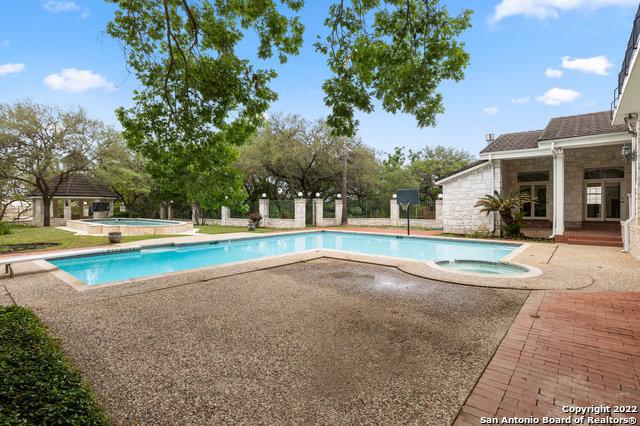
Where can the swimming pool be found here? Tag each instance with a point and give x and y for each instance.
(126, 265)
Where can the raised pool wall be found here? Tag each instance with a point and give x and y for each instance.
(100, 229)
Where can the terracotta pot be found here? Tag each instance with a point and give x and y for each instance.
(115, 237)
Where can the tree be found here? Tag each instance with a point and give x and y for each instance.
(199, 99)
(13, 196)
(394, 174)
(290, 154)
(123, 170)
(507, 205)
(394, 51)
(429, 164)
(39, 143)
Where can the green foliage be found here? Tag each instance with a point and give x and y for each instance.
(394, 51)
(507, 205)
(38, 385)
(200, 99)
(4, 228)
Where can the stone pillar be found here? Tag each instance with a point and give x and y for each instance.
(558, 191)
(338, 207)
(300, 213)
(161, 211)
(439, 205)
(85, 208)
(67, 210)
(318, 203)
(38, 212)
(170, 211)
(111, 208)
(263, 208)
(225, 213)
(394, 212)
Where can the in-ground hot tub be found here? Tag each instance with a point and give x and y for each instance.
(130, 226)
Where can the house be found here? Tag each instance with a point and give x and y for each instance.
(573, 167)
(625, 108)
(76, 197)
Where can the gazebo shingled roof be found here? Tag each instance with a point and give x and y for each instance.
(78, 186)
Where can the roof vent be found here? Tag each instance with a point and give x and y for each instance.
(489, 137)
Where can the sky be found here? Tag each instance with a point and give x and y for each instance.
(531, 60)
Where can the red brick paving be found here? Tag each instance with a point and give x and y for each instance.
(563, 348)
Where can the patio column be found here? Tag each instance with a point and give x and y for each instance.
(85, 208)
(558, 191)
(111, 208)
(67, 209)
(338, 215)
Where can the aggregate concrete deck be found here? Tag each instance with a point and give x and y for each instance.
(321, 341)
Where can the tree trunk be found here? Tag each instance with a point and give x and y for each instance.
(46, 207)
(344, 221)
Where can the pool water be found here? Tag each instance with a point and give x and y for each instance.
(131, 222)
(484, 268)
(112, 267)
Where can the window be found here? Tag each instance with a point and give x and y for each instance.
(604, 173)
(537, 176)
(537, 209)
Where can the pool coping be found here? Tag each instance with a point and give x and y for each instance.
(404, 265)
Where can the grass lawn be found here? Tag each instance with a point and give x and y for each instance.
(219, 229)
(54, 238)
(38, 385)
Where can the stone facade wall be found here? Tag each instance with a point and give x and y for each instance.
(575, 161)
(459, 214)
(634, 241)
(510, 168)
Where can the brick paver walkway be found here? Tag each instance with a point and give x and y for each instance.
(563, 349)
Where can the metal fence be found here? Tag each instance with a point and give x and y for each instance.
(368, 209)
(240, 214)
(422, 211)
(329, 210)
(282, 209)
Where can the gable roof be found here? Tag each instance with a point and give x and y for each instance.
(511, 141)
(461, 170)
(78, 185)
(573, 126)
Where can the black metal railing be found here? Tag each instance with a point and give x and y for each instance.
(632, 45)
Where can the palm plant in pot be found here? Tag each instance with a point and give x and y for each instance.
(509, 207)
(255, 219)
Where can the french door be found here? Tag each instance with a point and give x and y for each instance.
(603, 200)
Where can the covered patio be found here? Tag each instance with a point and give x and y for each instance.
(78, 197)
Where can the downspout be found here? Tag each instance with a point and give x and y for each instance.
(493, 189)
(634, 193)
(553, 216)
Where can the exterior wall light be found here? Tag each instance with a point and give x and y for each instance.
(628, 153)
(631, 121)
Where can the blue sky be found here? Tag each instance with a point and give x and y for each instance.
(56, 52)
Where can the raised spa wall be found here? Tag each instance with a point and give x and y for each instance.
(100, 229)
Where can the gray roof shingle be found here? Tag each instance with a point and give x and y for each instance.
(78, 185)
(512, 141)
(573, 126)
(462, 169)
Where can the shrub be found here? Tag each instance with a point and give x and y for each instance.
(4, 228)
(38, 385)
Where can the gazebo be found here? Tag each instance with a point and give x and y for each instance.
(79, 196)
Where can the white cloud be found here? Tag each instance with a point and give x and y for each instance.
(521, 100)
(59, 6)
(11, 69)
(551, 73)
(596, 65)
(492, 110)
(557, 96)
(76, 81)
(543, 9)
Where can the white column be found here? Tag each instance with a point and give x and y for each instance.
(111, 208)
(170, 211)
(394, 212)
(85, 208)
(300, 213)
(162, 211)
(439, 205)
(338, 207)
(319, 207)
(558, 191)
